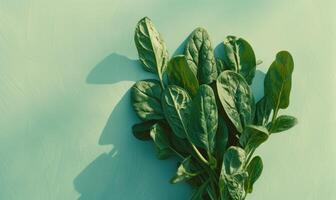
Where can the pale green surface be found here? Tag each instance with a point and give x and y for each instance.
(63, 133)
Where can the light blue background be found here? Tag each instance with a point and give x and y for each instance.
(66, 67)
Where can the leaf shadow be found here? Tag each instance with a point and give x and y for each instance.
(129, 170)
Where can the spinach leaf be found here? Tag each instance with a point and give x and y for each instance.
(221, 66)
(203, 119)
(198, 193)
(239, 56)
(234, 159)
(235, 185)
(263, 111)
(151, 48)
(162, 146)
(145, 99)
(176, 104)
(180, 74)
(222, 137)
(254, 170)
(200, 56)
(185, 171)
(283, 123)
(141, 130)
(232, 177)
(252, 137)
(278, 81)
(235, 96)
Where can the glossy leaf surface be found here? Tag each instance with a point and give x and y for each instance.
(204, 119)
(235, 96)
(151, 48)
(180, 74)
(145, 98)
(200, 56)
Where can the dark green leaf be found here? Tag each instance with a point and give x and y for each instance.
(235, 96)
(239, 56)
(254, 170)
(221, 138)
(263, 111)
(278, 81)
(221, 66)
(176, 104)
(252, 137)
(232, 177)
(200, 56)
(283, 123)
(145, 97)
(141, 130)
(151, 48)
(234, 159)
(203, 119)
(185, 171)
(199, 192)
(180, 74)
(235, 185)
(161, 142)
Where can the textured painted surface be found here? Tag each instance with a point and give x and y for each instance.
(66, 67)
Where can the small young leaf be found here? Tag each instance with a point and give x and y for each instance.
(185, 171)
(203, 119)
(254, 170)
(161, 142)
(200, 56)
(234, 159)
(283, 123)
(278, 81)
(145, 98)
(180, 74)
(252, 137)
(235, 96)
(176, 104)
(151, 48)
(239, 56)
(141, 130)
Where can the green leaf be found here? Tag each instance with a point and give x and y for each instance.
(283, 123)
(221, 66)
(234, 159)
(176, 102)
(263, 111)
(239, 56)
(278, 81)
(185, 171)
(235, 96)
(145, 98)
(235, 185)
(254, 170)
(199, 192)
(151, 48)
(141, 130)
(252, 137)
(162, 148)
(180, 74)
(232, 177)
(203, 119)
(200, 56)
(222, 137)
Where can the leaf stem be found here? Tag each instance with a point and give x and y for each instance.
(199, 155)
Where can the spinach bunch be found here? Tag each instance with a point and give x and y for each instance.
(202, 110)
